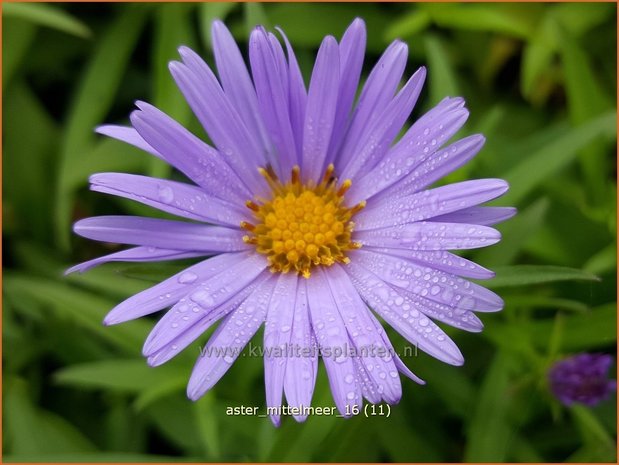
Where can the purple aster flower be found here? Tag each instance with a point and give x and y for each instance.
(582, 378)
(312, 211)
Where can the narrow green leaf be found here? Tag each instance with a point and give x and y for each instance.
(117, 375)
(92, 101)
(442, 77)
(173, 28)
(604, 261)
(535, 168)
(17, 36)
(515, 234)
(84, 308)
(46, 15)
(22, 417)
(255, 15)
(411, 24)
(490, 430)
(28, 158)
(208, 426)
(508, 19)
(210, 11)
(523, 275)
(586, 100)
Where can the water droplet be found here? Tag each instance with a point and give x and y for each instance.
(166, 195)
(202, 298)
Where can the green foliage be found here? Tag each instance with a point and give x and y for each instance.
(540, 80)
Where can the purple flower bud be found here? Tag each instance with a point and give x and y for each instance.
(582, 378)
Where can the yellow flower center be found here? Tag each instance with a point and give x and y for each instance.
(302, 225)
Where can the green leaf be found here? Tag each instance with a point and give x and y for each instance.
(515, 234)
(508, 19)
(582, 331)
(255, 15)
(208, 426)
(210, 11)
(411, 24)
(46, 15)
(28, 157)
(538, 166)
(173, 28)
(586, 100)
(604, 261)
(132, 375)
(490, 429)
(441, 74)
(540, 301)
(17, 36)
(22, 418)
(81, 307)
(523, 275)
(91, 102)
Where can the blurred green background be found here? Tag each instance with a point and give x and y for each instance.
(540, 80)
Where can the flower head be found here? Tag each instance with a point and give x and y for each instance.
(582, 378)
(312, 211)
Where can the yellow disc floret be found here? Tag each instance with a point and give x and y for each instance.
(302, 225)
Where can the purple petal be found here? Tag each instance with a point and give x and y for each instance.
(427, 235)
(486, 216)
(297, 95)
(406, 372)
(369, 388)
(333, 340)
(415, 327)
(435, 285)
(128, 135)
(171, 290)
(389, 212)
(420, 142)
(219, 117)
(173, 197)
(165, 234)
(365, 332)
(440, 260)
(444, 301)
(430, 169)
(300, 375)
(135, 254)
(321, 107)
(272, 94)
(200, 162)
(191, 333)
(375, 96)
(207, 302)
(213, 364)
(277, 337)
(352, 52)
(381, 133)
(236, 82)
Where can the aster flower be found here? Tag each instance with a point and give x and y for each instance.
(582, 378)
(312, 211)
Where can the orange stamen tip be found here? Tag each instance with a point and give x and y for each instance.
(247, 226)
(296, 174)
(344, 187)
(252, 206)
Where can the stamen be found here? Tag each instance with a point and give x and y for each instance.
(252, 206)
(296, 174)
(357, 208)
(328, 173)
(302, 225)
(247, 226)
(344, 187)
